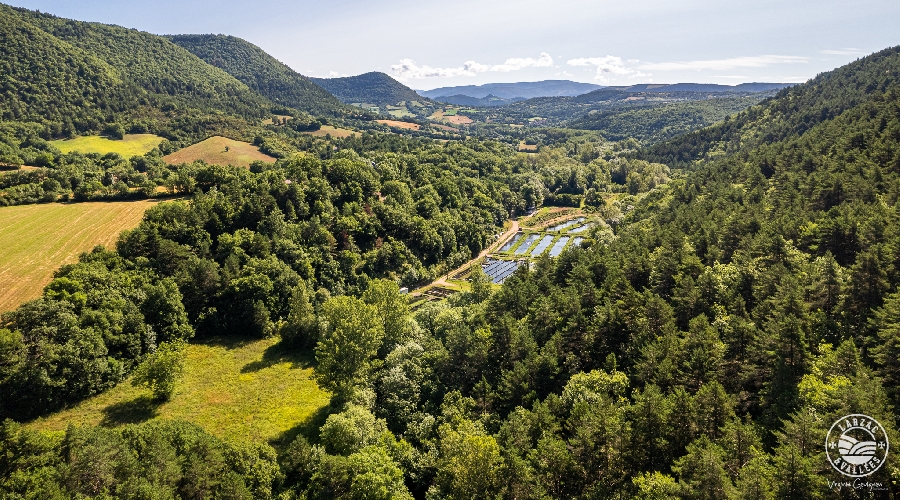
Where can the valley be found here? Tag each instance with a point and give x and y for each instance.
(222, 278)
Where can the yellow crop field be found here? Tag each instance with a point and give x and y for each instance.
(37, 239)
(131, 145)
(236, 389)
(218, 150)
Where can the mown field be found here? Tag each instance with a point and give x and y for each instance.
(37, 239)
(246, 391)
(399, 124)
(332, 131)
(213, 151)
(131, 145)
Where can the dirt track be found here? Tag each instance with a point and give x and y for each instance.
(442, 281)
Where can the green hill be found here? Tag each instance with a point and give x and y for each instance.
(76, 76)
(796, 110)
(261, 72)
(374, 88)
(655, 123)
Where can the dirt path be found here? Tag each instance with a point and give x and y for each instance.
(442, 281)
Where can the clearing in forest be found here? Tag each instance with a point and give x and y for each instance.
(38, 239)
(338, 133)
(399, 124)
(238, 389)
(131, 145)
(458, 119)
(213, 151)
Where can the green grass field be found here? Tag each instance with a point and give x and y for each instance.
(332, 131)
(38, 239)
(247, 391)
(131, 145)
(212, 151)
(400, 113)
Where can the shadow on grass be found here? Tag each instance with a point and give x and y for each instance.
(135, 411)
(280, 353)
(309, 429)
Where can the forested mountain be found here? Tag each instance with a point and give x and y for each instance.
(76, 76)
(373, 88)
(261, 72)
(797, 110)
(524, 90)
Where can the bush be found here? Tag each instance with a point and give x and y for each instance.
(162, 369)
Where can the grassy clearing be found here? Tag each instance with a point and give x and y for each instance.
(400, 113)
(238, 390)
(213, 151)
(332, 131)
(37, 239)
(131, 145)
(399, 124)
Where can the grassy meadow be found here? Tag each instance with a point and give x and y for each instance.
(247, 391)
(131, 145)
(332, 131)
(399, 124)
(38, 239)
(212, 151)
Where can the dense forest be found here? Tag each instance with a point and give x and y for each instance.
(262, 73)
(741, 294)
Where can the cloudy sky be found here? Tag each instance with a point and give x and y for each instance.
(429, 44)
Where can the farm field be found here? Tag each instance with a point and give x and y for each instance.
(400, 113)
(38, 239)
(131, 145)
(237, 389)
(332, 131)
(399, 124)
(212, 151)
(458, 119)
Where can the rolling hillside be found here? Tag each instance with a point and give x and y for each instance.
(796, 110)
(374, 87)
(261, 72)
(77, 77)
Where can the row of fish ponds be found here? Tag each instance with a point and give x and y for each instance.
(523, 244)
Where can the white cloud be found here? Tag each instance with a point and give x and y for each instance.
(608, 68)
(724, 64)
(517, 63)
(844, 52)
(410, 69)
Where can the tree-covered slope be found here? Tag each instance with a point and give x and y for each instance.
(654, 123)
(261, 72)
(77, 76)
(47, 80)
(792, 113)
(374, 88)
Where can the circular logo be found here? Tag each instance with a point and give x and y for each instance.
(856, 445)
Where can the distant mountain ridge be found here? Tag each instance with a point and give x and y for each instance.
(526, 90)
(488, 101)
(373, 88)
(703, 87)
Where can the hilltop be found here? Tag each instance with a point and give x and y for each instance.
(261, 72)
(373, 87)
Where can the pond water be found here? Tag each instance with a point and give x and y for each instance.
(560, 227)
(523, 248)
(511, 243)
(545, 242)
(558, 246)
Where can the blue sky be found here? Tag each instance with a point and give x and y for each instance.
(430, 44)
